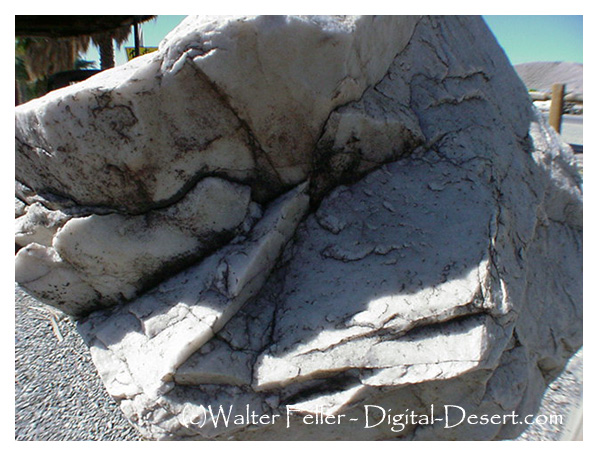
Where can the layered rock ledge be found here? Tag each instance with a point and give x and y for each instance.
(307, 214)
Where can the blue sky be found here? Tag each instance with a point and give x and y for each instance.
(538, 38)
(153, 32)
(524, 38)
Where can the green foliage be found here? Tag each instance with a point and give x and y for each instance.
(27, 86)
(20, 70)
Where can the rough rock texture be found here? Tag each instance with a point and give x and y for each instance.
(373, 212)
(108, 258)
(221, 97)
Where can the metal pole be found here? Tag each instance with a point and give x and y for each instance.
(136, 38)
(557, 107)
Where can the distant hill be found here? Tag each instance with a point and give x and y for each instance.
(542, 75)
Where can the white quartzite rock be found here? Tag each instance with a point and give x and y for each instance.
(316, 215)
(185, 312)
(114, 256)
(221, 96)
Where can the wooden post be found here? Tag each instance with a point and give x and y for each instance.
(557, 107)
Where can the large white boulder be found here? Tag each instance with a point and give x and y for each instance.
(294, 218)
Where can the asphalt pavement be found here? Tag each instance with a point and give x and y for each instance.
(572, 131)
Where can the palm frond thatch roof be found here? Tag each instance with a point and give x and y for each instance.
(69, 26)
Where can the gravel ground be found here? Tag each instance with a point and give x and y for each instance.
(59, 395)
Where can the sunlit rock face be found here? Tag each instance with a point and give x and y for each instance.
(298, 216)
